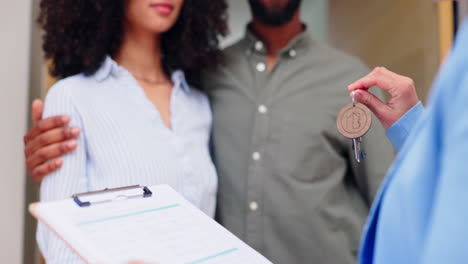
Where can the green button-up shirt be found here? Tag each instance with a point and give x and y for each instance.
(288, 182)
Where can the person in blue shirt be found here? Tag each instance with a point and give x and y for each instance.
(420, 214)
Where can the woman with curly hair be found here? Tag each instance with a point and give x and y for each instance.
(122, 65)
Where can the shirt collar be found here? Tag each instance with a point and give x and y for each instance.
(178, 78)
(297, 45)
(106, 68)
(110, 67)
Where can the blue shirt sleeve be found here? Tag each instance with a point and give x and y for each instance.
(399, 131)
(448, 231)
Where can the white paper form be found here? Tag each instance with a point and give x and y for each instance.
(163, 229)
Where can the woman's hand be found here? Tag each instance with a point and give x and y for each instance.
(401, 89)
(46, 142)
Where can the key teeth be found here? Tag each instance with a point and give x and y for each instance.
(363, 155)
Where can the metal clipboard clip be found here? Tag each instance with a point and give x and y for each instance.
(111, 195)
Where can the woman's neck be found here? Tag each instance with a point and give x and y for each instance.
(140, 53)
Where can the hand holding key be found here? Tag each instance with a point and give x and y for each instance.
(353, 122)
(401, 88)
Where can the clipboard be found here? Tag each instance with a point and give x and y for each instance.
(153, 224)
(88, 198)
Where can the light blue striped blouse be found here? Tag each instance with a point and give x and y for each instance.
(125, 142)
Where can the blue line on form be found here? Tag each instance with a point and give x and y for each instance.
(213, 256)
(127, 215)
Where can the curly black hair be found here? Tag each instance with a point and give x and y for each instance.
(78, 34)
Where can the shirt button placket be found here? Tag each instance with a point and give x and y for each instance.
(254, 193)
(189, 184)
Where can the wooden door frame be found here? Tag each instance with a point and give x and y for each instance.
(446, 27)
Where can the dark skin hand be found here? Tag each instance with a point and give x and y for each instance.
(47, 141)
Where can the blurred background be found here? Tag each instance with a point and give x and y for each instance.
(409, 37)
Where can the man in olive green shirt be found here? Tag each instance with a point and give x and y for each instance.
(288, 182)
(289, 185)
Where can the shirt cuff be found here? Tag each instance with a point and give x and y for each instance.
(399, 131)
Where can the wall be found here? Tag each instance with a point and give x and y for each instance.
(15, 21)
(38, 74)
(401, 35)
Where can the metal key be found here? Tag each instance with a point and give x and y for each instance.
(359, 153)
(353, 122)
